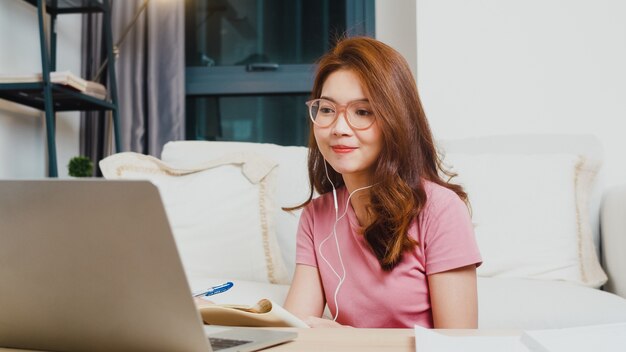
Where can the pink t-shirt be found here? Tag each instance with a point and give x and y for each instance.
(370, 297)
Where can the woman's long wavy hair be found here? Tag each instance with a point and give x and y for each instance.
(408, 154)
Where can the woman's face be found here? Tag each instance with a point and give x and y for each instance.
(351, 152)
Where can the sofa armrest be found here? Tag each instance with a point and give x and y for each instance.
(613, 239)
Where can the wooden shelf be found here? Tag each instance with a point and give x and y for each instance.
(51, 97)
(64, 98)
(71, 6)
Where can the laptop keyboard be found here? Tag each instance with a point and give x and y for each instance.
(220, 344)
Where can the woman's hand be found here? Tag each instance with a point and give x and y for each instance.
(316, 322)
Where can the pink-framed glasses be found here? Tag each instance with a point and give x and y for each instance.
(324, 112)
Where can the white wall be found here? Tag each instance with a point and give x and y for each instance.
(489, 67)
(484, 67)
(499, 67)
(23, 152)
(396, 26)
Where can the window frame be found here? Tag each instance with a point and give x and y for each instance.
(218, 81)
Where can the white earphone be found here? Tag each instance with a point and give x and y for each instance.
(342, 277)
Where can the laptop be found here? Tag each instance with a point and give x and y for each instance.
(91, 265)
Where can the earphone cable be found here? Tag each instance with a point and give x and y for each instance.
(342, 277)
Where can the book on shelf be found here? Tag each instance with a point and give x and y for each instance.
(69, 79)
(264, 313)
(95, 90)
(66, 78)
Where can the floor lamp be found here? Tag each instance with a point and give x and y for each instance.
(118, 44)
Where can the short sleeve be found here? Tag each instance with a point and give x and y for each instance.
(448, 234)
(305, 247)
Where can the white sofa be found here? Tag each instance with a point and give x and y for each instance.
(536, 203)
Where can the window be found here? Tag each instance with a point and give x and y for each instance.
(250, 64)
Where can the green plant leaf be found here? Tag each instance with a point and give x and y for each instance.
(80, 166)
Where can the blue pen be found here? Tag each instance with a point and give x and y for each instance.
(215, 290)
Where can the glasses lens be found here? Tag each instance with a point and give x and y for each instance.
(322, 112)
(360, 115)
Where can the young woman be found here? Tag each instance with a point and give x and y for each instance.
(389, 242)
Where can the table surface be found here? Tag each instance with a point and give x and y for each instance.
(351, 339)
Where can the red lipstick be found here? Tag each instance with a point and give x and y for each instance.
(342, 149)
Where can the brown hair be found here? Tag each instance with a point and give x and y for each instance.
(408, 154)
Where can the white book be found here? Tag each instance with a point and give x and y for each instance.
(427, 340)
(595, 338)
(69, 79)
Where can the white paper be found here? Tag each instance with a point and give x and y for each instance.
(287, 316)
(427, 340)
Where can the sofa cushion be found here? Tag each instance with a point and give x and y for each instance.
(288, 185)
(588, 146)
(505, 303)
(530, 213)
(217, 210)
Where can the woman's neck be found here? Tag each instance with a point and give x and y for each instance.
(359, 200)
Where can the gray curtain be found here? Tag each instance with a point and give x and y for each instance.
(150, 73)
(93, 124)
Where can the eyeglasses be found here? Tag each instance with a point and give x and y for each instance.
(324, 113)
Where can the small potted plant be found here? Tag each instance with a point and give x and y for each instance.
(80, 166)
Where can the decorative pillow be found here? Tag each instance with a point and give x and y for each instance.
(530, 214)
(218, 210)
(289, 183)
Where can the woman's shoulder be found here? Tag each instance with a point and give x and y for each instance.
(440, 197)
